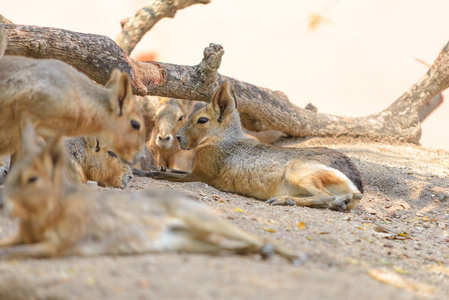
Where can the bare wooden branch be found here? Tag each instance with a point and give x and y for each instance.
(134, 28)
(4, 20)
(260, 108)
(434, 103)
(430, 107)
(94, 55)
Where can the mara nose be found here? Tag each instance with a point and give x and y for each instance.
(167, 138)
(178, 137)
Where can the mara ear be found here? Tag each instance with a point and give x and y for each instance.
(30, 142)
(115, 75)
(92, 142)
(54, 156)
(186, 106)
(121, 97)
(223, 102)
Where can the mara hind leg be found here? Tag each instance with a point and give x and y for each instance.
(183, 160)
(322, 188)
(205, 234)
(342, 188)
(37, 250)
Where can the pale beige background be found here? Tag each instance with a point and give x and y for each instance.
(356, 63)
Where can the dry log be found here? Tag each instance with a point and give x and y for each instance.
(4, 20)
(260, 108)
(134, 28)
(433, 104)
(94, 55)
(430, 107)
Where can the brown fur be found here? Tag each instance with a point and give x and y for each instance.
(4, 167)
(266, 137)
(226, 159)
(148, 106)
(58, 217)
(91, 160)
(95, 162)
(146, 162)
(163, 145)
(56, 97)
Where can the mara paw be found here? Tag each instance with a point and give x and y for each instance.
(357, 197)
(281, 201)
(339, 204)
(267, 251)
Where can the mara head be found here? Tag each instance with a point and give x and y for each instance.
(211, 121)
(148, 106)
(170, 117)
(126, 126)
(34, 184)
(103, 166)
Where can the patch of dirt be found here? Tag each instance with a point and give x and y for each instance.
(395, 245)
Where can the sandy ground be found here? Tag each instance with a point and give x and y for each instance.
(393, 246)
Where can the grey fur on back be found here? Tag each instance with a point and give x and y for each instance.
(76, 148)
(234, 130)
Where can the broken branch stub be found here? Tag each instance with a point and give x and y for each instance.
(183, 82)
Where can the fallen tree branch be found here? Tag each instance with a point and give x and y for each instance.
(430, 107)
(260, 108)
(4, 20)
(433, 104)
(94, 55)
(134, 28)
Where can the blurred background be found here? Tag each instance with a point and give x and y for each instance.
(347, 57)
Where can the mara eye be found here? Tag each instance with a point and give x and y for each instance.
(180, 118)
(112, 154)
(202, 120)
(135, 125)
(32, 179)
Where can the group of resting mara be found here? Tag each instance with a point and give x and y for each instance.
(62, 130)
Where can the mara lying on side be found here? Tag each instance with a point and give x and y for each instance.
(58, 217)
(226, 159)
(91, 161)
(94, 161)
(56, 97)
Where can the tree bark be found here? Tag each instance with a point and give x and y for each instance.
(4, 20)
(260, 108)
(134, 28)
(430, 107)
(95, 55)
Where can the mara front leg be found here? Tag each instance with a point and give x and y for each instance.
(10, 241)
(175, 175)
(206, 234)
(37, 250)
